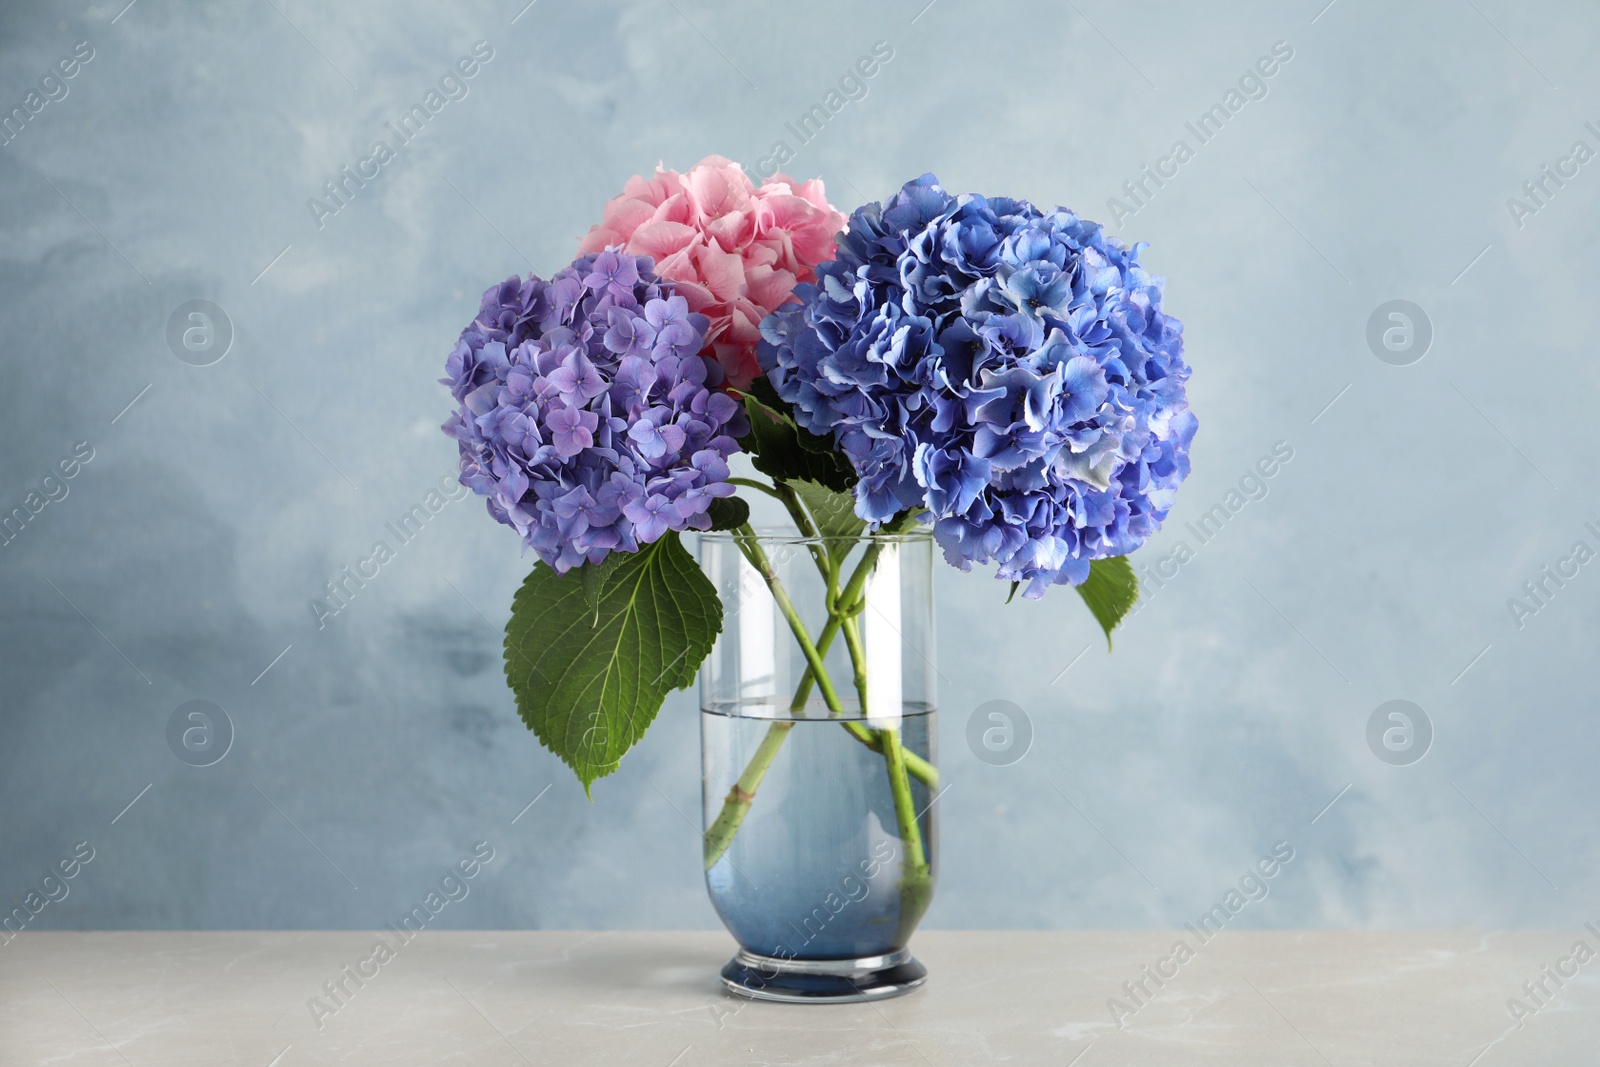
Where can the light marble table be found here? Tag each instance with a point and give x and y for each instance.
(652, 999)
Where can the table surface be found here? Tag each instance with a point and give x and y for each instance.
(551, 997)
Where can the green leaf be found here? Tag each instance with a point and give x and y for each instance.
(728, 513)
(783, 451)
(589, 683)
(592, 578)
(834, 515)
(833, 512)
(1110, 591)
(767, 394)
(1013, 594)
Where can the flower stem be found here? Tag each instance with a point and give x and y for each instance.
(808, 530)
(916, 883)
(858, 660)
(745, 538)
(751, 483)
(846, 606)
(719, 836)
(920, 769)
(916, 877)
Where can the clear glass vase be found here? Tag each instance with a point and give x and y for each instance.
(820, 835)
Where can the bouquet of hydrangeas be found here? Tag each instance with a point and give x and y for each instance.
(1002, 375)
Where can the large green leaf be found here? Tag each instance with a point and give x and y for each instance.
(1110, 591)
(590, 674)
(783, 451)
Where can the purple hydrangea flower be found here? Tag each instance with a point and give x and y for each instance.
(586, 415)
(1007, 369)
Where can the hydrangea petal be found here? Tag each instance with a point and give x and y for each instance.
(583, 431)
(1008, 370)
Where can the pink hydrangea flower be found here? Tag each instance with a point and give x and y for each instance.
(734, 250)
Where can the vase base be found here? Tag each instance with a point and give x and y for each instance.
(823, 981)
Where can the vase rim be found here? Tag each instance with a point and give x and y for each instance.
(783, 535)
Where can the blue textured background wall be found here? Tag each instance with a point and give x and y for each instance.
(373, 751)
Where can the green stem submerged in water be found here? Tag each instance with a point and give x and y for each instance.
(916, 875)
(844, 608)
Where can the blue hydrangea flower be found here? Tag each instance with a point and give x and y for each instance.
(587, 417)
(1007, 369)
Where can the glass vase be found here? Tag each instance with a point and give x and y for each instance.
(819, 784)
